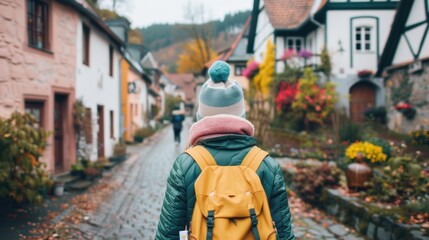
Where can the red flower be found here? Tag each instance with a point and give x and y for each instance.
(286, 95)
(402, 106)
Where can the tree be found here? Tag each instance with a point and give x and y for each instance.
(201, 34)
(264, 78)
(135, 36)
(192, 59)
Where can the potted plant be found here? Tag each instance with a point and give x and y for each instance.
(91, 173)
(406, 109)
(77, 169)
(143, 133)
(365, 73)
(358, 171)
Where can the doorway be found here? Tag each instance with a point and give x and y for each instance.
(60, 107)
(362, 97)
(100, 135)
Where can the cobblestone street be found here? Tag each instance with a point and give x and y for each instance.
(132, 212)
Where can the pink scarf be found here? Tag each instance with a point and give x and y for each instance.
(218, 125)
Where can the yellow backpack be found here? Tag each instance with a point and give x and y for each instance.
(231, 203)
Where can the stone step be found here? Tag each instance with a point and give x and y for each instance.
(81, 185)
(109, 165)
(66, 178)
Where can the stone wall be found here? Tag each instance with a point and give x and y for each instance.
(419, 98)
(27, 73)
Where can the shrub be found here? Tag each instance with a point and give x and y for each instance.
(350, 132)
(144, 132)
(309, 181)
(402, 180)
(314, 102)
(119, 149)
(387, 149)
(421, 137)
(22, 177)
(378, 115)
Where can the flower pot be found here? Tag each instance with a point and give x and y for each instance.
(59, 189)
(138, 139)
(357, 174)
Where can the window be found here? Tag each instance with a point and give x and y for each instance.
(294, 43)
(363, 39)
(35, 109)
(85, 44)
(110, 60)
(38, 24)
(239, 68)
(112, 128)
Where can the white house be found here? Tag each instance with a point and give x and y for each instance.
(98, 84)
(355, 34)
(405, 65)
(156, 97)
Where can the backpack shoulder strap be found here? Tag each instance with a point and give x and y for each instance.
(201, 156)
(254, 158)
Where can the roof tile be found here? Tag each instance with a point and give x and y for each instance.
(286, 14)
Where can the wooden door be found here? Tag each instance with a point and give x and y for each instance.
(362, 97)
(100, 135)
(59, 114)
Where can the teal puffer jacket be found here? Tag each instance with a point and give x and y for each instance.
(229, 150)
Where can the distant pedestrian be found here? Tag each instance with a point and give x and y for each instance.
(177, 120)
(223, 186)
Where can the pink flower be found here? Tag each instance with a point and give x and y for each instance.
(288, 54)
(318, 108)
(251, 69)
(305, 54)
(309, 100)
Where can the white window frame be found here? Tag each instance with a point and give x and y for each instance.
(294, 43)
(366, 45)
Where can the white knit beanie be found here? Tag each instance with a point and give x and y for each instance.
(219, 94)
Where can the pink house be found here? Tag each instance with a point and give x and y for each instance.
(38, 71)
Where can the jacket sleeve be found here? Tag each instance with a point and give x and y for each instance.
(279, 205)
(173, 212)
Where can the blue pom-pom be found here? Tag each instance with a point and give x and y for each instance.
(219, 71)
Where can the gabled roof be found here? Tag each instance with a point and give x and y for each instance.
(398, 25)
(227, 53)
(84, 8)
(287, 14)
(185, 81)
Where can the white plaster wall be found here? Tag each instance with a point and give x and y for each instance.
(417, 13)
(264, 31)
(403, 52)
(280, 49)
(338, 29)
(142, 96)
(95, 86)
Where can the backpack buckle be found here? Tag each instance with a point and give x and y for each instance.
(210, 219)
